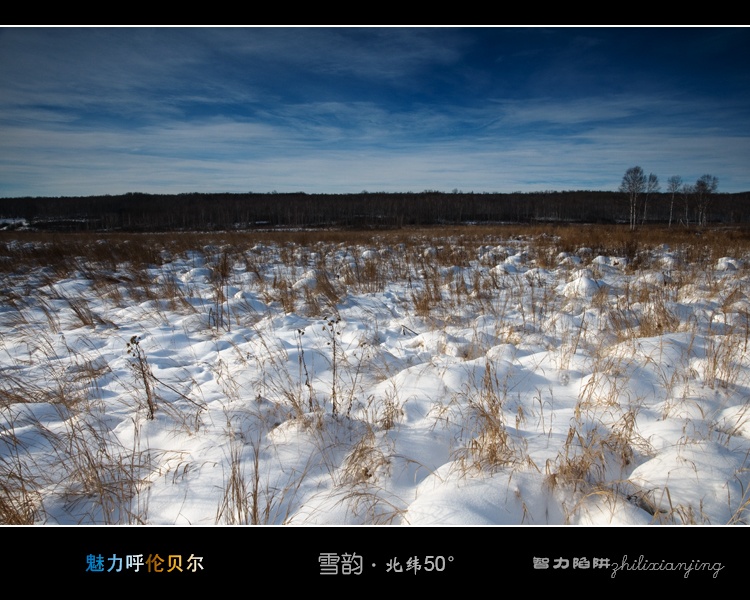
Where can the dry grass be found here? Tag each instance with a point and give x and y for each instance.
(364, 461)
(491, 447)
(85, 470)
(20, 498)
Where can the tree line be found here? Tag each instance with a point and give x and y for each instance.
(643, 202)
(692, 199)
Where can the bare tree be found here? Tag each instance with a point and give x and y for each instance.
(673, 186)
(633, 184)
(704, 188)
(688, 190)
(652, 186)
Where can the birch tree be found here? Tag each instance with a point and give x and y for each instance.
(673, 186)
(633, 184)
(704, 188)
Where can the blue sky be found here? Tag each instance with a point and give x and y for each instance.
(88, 111)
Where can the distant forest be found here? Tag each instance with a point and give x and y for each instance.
(366, 210)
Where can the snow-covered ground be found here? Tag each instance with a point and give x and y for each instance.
(435, 382)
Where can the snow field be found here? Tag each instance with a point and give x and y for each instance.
(430, 382)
